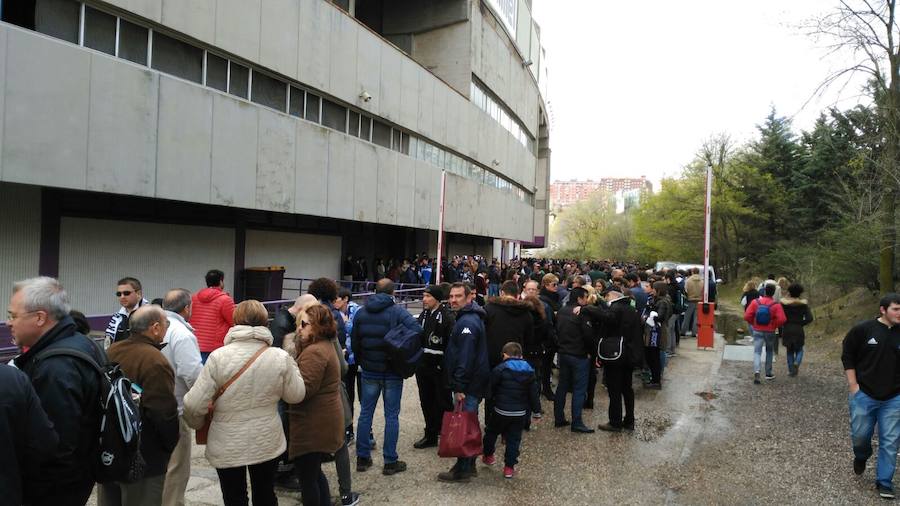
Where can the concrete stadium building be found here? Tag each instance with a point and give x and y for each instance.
(161, 138)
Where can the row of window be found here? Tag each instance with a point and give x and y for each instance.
(82, 24)
(487, 103)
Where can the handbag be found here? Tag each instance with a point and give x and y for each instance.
(460, 434)
(202, 433)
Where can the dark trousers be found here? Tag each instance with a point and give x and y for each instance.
(511, 428)
(352, 382)
(233, 482)
(618, 385)
(64, 495)
(284, 464)
(313, 483)
(652, 357)
(592, 384)
(434, 397)
(573, 376)
(547, 369)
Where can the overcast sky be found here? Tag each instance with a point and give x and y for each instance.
(636, 87)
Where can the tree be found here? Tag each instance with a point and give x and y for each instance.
(868, 30)
(581, 226)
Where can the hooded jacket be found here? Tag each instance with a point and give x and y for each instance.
(371, 323)
(466, 356)
(776, 310)
(245, 428)
(145, 365)
(514, 388)
(798, 315)
(507, 319)
(542, 337)
(69, 390)
(212, 314)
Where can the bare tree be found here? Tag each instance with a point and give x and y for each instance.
(868, 30)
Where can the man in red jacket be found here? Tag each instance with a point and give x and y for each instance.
(212, 313)
(765, 316)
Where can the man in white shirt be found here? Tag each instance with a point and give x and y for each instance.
(181, 350)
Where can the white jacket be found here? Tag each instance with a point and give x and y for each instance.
(245, 428)
(182, 351)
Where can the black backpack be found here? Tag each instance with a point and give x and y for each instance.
(119, 452)
(404, 347)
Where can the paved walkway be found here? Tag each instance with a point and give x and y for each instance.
(556, 466)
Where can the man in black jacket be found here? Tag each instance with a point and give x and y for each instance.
(69, 390)
(573, 334)
(26, 434)
(435, 397)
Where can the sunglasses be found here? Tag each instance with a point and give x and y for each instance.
(126, 293)
(304, 324)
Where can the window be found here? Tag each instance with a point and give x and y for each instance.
(56, 18)
(490, 179)
(216, 72)
(238, 80)
(365, 127)
(269, 91)
(312, 107)
(296, 108)
(353, 123)
(99, 31)
(178, 58)
(132, 42)
(381, 134)
(334, 116)
(395, 142)
(404, 143)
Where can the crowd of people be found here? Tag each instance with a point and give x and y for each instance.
(279, 396)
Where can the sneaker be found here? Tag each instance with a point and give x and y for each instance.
(885, 492)
(394, 468)
(770, 376)
(508, 472)
(606, 427)
(363, 464)
(859, 466)
(756, 379)
(488, 460)
(351, 499)
(453, 476)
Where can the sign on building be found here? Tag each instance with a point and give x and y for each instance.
(507, 11)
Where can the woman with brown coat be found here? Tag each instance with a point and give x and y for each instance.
(316, 424)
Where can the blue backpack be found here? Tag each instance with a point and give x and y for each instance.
(404, 346)
(763, 314)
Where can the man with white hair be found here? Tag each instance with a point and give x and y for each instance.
(68, 387)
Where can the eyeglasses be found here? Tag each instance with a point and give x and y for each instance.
(126, 293)
(10, 316)
(304, 324)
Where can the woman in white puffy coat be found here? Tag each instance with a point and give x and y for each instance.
(246, 430)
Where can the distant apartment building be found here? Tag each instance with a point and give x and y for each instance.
(566, 193)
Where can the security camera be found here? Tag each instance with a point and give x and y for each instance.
(527, 63)
(365, 96)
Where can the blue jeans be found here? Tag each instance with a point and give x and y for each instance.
(760, 339)
(865, 412)
(203, 356)
(493, 290)
(794, 357)
(573, 375)
(372, 389)
(470, 405)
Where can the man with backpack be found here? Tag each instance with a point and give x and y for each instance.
(69, 390)
(380, 376)
(765, 316)
(142, 362)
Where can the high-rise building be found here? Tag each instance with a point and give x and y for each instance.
(162, 138)
(566, 193)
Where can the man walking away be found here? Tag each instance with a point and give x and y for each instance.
(373, 321)
(871, 364)
(130, 296)
(574, 336)
(435, 397)
(181, 350)
(693, 287)
(145, 365)
(764, 316)
(67, 387)
(212, 313)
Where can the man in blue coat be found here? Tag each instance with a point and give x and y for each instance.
(371, 324)
(466, 362)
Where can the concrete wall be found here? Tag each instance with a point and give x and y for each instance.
(20, 236)
(302, 255)
(94, 254)
(88, 122)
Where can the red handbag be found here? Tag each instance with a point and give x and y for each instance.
(202, 433)
(460, 434)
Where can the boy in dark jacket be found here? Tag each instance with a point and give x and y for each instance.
(514, 393)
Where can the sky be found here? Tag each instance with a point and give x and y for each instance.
(636, 87)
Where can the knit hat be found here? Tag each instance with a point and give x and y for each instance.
(435, 291)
